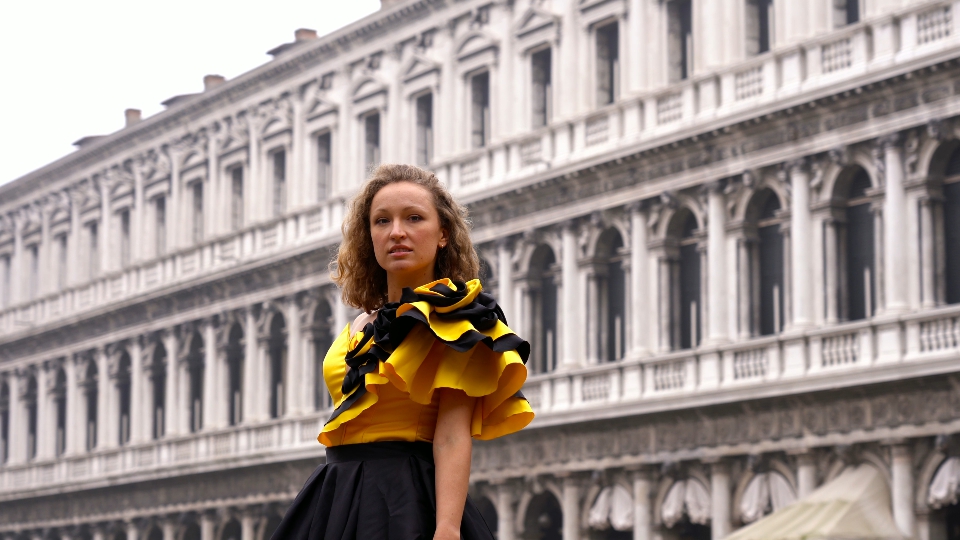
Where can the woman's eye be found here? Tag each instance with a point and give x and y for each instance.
(381, 221)
(415, 218)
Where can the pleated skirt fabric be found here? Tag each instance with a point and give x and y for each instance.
(373, 491)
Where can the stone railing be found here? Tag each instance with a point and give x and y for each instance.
(268, 441)
(879, 349)
(876, 350)
(921, 30)
(215, 255)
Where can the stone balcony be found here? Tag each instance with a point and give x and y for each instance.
(878, 350)
(859, 54)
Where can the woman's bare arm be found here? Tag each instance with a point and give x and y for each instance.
(452, 448)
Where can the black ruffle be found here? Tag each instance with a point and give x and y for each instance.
(373, 491)
(388, 330)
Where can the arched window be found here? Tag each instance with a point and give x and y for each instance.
(4, 421)
(195, 372)
(123, 396)
(857, 251)
(277, 347)
(951, 228)
(685, 510)
(231, 531)
(686, 330)
(543, 309)
(158, 376)
(91, 393)
(120, 535)
(235, 359)
(322, 331)
(609, 292)
(60, 406)
(543, 518)
(156, 534)
(489, 513)
(762, 272)
(30, 401)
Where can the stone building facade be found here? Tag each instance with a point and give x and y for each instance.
(729, 228)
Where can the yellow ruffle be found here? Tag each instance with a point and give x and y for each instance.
(422, 363)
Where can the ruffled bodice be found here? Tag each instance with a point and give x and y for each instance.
(441, 335)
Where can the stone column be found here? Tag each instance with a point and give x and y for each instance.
(566, 90)
(506, 498)
(247, 524)
(73, 441)
(642, 505)
(45, 427)
(171, 409)
(47, 280)
(105, 401)
(927, 255)
(639, 281)
(717, 264)
(570, 303)
(593, 327)
(17, 289)
(133, 532)
(831, 270)
(902, 488)
(251, 370)
(74, 274)
(292, 386)
(173, 202)
(105, 231)
(170, 530)
(99, 532)
(505, 279)
(895, 227)
(139, 419)
(206, 526)
(212, 398)
(744, 296)
(571, 508)
(801, 245)
(665, 317)
(720, 520)
(806, 474)
(17, 434)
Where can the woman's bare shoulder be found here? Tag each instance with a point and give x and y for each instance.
(361, 321)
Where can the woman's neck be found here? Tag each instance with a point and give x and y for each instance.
(396, 284)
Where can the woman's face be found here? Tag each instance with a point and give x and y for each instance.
(406, 232)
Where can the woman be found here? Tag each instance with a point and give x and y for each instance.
(429, 365)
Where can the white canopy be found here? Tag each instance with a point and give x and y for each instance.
(853, 506)
(945, 486)
(769, 490)
(613, 508)
(686, 496)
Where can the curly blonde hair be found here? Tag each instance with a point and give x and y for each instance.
(363, 283)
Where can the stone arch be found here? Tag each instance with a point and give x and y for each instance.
(543, 516)
(474, 42)
(365, 87)
(931, 464)
(934, 157)
(608, 289)
(277, 348)
(773, 467)
(543, 314)
(836, 183)
(674, 214)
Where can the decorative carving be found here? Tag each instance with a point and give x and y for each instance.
(154, 164)
(236, 132)
(911, 152)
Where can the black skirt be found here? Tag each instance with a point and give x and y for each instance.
(373, 491)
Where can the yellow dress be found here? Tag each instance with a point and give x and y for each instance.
(443, 334)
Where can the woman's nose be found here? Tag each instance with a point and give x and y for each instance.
(397, 230)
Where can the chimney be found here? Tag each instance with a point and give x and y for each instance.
(132, 116)
(304, 34)
(212, 81)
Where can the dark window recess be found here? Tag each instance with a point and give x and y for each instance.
(846, 12)
(614, 287)
(424, 129)
(480, 109)
(279, 182)
(689, 308)
(277, 347)
(124, 238)
(60, 408)
(62, 261)
(757, 26)
(197, 217)
(951, 239)
(195, 370)
(324, 165)
(235, 361)
(161, 226)
(159, 381)
(371, 138)
(94, 249)
(679, 39)
(31, 404)
(92, 394)
(322, 331)
(4, 422)
(123, 392)
(860, 255)
(608, 63)
(771, 269)
(33, 280)
(236, 198)
(541, 86)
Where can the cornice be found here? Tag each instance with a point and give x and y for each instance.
(300, 58)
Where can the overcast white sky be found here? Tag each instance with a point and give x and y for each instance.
(70, 67)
